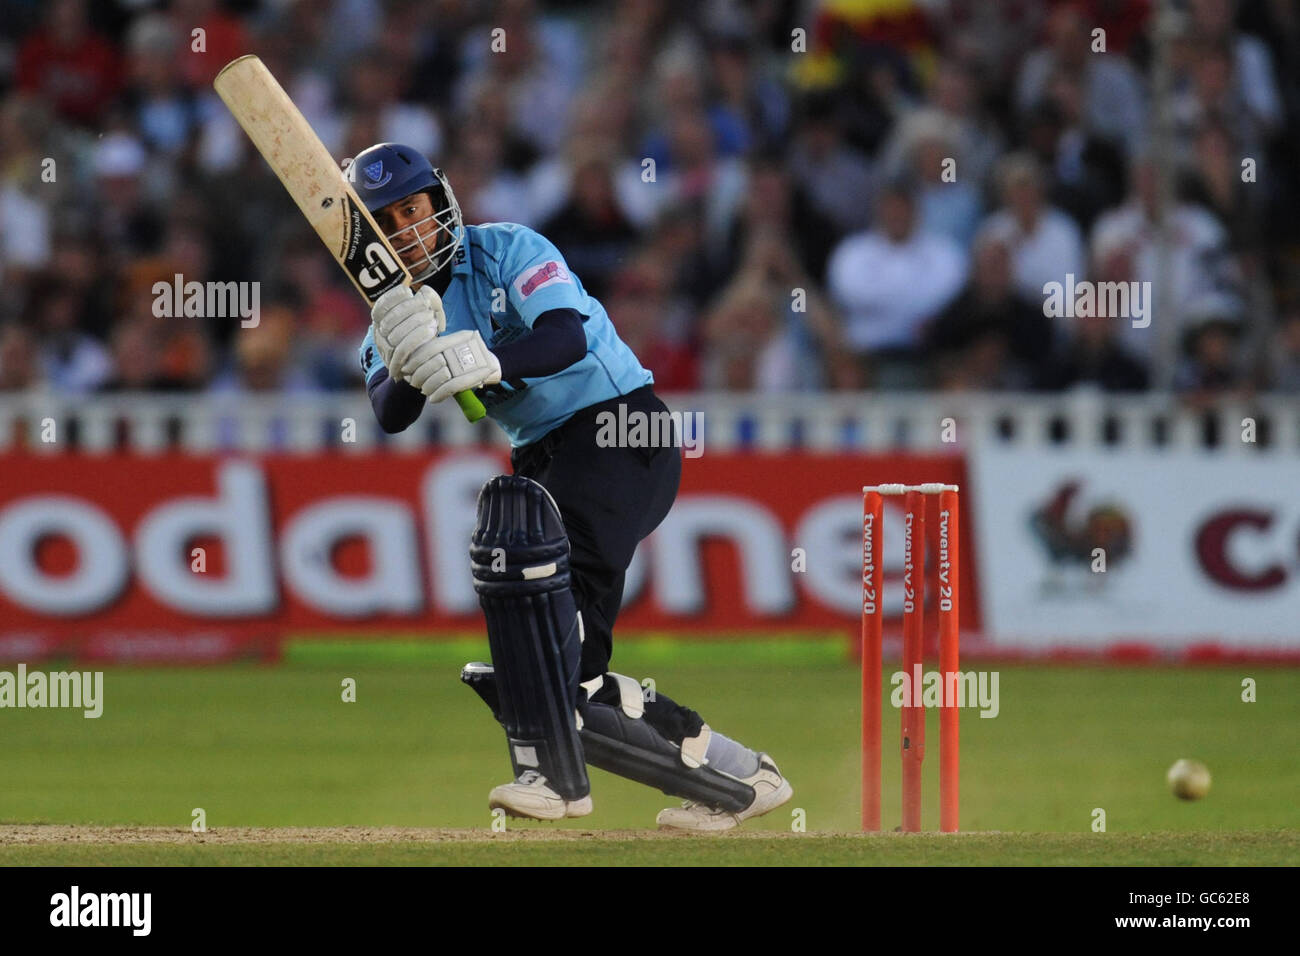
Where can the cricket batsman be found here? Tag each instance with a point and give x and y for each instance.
(496, 310)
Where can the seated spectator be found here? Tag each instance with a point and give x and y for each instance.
(1083, 173)
(136, 359)
(490, 108)
(24, 232)
(187, 358)
(71, 360)
(745, 344)
(19, 368)
(264, 357)
(224, 38)
(128, 222)
(1214, 95)
(948, 199)
(639, 304)
(598, 121)
(1216, 184)
(1212, 362)
(1113, 103)
(703, 177)
(679, 91)
(329, 317)
(82, 268)
(162, 108)
(26, 198)
(265, 364)
(1045, 243)
(1249, 63)
(677, 238)
(873, 54)
(591, 230)
(838, 179)
(813, 334)
(1284, 354)
(1200, 263)
(955, 92)
(1093, 356)
(486, 189)
(182, 343)
(992, 337)
(748, 97)
(873, 279)
(69, 65)
(541, 66)
(774, 203)
(374, 90)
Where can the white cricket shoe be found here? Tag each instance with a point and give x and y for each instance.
(770, 791)
(531, 798)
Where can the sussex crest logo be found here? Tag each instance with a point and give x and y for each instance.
(376, 174)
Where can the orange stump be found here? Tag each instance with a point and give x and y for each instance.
(872, 621)
(912, 736)
(949, 663)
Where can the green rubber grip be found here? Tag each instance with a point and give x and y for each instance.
(469, 404)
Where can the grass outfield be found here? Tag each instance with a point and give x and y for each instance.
(258, 746)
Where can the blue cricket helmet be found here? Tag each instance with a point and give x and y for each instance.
(387, 172)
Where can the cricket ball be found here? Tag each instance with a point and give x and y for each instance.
(1189, 779)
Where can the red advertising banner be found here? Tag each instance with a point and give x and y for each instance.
(209, 558)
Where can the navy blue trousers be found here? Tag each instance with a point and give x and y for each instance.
(609, 498)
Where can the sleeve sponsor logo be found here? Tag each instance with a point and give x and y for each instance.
(538, 277)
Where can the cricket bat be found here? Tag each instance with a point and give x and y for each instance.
(293, 150)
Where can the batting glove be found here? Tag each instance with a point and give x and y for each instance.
(461, 361)
(405, 324)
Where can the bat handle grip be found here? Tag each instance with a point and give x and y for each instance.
(469, 404)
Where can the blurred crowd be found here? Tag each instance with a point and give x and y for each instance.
(770, 195)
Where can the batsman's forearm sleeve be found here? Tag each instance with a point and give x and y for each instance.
(557, 341)
(396, 404)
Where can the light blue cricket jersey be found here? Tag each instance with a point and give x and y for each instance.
(519, 271)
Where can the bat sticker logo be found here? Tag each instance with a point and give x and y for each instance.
(377, 176)
(382, 266)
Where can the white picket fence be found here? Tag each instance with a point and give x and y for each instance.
(152, 424)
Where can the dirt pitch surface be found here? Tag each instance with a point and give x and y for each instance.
(52, 833)
(539, 845)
